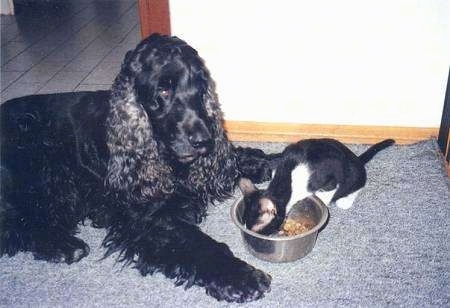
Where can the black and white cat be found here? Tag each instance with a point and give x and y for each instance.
(323, 167)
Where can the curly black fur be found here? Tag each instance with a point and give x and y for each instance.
(142, 160)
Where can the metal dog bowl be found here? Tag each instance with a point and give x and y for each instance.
(276, 248)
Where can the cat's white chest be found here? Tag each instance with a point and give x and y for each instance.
(300, 178)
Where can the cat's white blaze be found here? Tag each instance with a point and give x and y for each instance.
(263, 221)
(300, 177)
(347, 201)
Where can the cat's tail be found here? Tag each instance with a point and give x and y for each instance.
(374, 149)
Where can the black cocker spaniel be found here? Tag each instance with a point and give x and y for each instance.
(142, 160)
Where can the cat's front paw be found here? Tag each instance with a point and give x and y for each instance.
(344, 204)
(347, 202)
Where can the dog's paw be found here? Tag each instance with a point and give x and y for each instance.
(239, 282)
(70, 250)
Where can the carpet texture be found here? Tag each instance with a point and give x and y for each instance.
(390, 249)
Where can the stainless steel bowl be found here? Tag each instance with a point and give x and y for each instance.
(283, 248)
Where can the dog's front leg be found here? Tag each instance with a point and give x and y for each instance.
(193, 258)
(181, 251)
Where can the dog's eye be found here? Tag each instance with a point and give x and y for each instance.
(164, 93)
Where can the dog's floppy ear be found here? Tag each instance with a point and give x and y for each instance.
(212, 105)
(134, 167)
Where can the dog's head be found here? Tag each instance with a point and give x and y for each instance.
(164, 114)
(172, 86)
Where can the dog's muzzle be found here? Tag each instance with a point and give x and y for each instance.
(198, 142)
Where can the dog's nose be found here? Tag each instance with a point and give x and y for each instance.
(201, 141)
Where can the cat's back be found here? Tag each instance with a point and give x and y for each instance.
(315, 150)
(325, 158)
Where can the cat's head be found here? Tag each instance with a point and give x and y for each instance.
(260, 212)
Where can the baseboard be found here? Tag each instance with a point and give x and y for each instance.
(289, 132)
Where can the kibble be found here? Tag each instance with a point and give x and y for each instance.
(292, 227)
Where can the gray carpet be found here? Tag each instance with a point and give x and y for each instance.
(390, 249)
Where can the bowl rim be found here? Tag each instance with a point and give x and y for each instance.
(316, 228)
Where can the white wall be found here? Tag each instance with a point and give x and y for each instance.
(378, 62)
(6, 7)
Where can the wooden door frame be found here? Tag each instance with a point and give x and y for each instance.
(444, 130)
(154, 17)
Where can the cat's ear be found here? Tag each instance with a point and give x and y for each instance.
(246, 186)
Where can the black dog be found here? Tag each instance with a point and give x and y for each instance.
(142, 160)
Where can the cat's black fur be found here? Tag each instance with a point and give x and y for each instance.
(331, 166)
